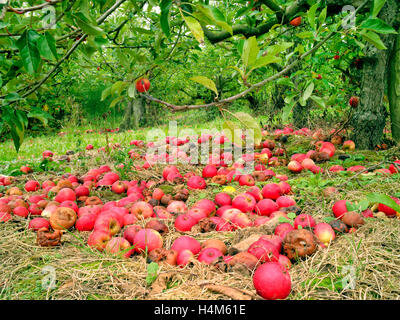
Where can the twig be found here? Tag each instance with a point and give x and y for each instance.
(363, 171)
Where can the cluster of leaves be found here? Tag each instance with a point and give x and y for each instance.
(169, 41)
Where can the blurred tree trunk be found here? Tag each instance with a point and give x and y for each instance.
(133, 114)
(394, 90)
(370, 117)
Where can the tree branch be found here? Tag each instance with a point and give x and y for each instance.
(245, 92)
(100, 20)
(34, 8)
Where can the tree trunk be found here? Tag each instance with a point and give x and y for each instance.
(301, 115)
(370, 118)
(133, 114)
(394, 90)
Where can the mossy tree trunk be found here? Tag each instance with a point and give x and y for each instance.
(133, 114)
(370, 117)
(394, 90)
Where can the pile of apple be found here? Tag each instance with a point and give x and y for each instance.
(137, 222)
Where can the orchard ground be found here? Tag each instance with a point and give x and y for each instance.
(360, 265)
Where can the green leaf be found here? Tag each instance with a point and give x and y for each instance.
(165, 6)
(378, 26)
(279, 48)
(47, 47)
(142, 30)
(211, 15)
(116, 101)
(106, 92)
(250, 123)
(374, 39)
(29, 52)
(311, 15)
(39, 114)
(117, 87)
(384, 199)
(284, 220)
(195, 28)
(319, 101)
(265, 60)
(17, 126)
(242, 11)
(322, 16)
(292, 215)
(250, 51)
(11, 97)
(363, 205)
(309, 90)
(238, 70)
(287, 111)
(305, 35)
(233, 132)
(208, 83)
(377, 7)
(152, 270)
(86, 25)
(132, 91)
(285, 82)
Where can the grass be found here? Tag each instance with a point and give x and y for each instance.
(372, 254)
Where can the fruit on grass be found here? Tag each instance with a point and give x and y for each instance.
(272, 281)
(215, 243)
(98, 239)
(285, 261)
(222, 199)
(25, 169)
(324, 233)
(109, 223)
(264, 250)
(282, 229)
(299, 243)
(21, 212)
(162, 255)
(177, 207)
(119, 246)
(157, 225)
(338, 226)
(186, 243)
(209, 255)
(271, 191)
(63, 218)
(65, 194)
(184, 257)
(142, 210)
(339, 208)
(38, 223)
(86, 222)
(304, 220)
(118, 187)
(349, 145)
(147, 240)
(353, 219)
(265, 207)
(184, 222)
(32, 186)
(295, 166)
(244, 202)
(130, 232)
(209, 171)
(196, 182)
